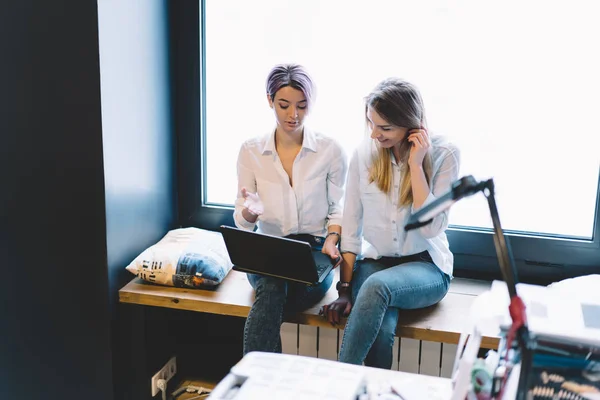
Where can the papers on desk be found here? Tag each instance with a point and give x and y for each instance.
(413, 389)
(281, 376)
(288, 377)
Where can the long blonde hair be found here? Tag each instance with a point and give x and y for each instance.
(399, 103)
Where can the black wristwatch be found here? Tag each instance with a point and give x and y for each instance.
(342, 286)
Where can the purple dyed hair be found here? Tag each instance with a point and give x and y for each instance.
(293, 75)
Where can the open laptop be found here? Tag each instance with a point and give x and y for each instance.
(284, 258)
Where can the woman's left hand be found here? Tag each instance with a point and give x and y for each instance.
(330, 248)
(420, 145)
(336, 309)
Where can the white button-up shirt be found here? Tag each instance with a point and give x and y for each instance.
(312, 204)
(374, 216)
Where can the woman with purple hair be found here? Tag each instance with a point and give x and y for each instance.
(290, 182)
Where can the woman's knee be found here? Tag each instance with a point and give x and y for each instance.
(375, 285)
(373, 291)
(267, 285)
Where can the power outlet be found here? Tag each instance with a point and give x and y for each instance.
(166, 373)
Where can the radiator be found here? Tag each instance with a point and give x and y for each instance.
(410, 355)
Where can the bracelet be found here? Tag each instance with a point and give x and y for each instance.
(342, 286)
(333, 233)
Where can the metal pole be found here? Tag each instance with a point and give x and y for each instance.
(503, 250)
(509, 272)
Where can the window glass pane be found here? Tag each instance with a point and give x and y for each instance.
(515, 84)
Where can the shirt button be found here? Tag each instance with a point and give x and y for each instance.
(397, 254)
(395, 240)
(393, 222)
(396, 186)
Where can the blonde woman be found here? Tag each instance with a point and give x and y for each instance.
(400, 169)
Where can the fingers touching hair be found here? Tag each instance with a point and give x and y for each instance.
(399, 103)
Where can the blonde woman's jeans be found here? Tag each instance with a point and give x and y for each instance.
(381, 289)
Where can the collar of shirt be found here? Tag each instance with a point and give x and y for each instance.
(309, 142)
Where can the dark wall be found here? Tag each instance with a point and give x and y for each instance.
(67, 230)
(55, 332)
(136, 124)
(138, 164)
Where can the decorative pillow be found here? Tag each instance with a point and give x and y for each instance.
(186, 257)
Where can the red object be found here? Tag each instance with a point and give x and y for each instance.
(516, 309)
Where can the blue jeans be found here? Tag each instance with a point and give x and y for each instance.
(380, 288)
(274, 297)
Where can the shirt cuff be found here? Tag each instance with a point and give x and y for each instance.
(334, 221)
(350, 245)
(430, 198)
(241, 222)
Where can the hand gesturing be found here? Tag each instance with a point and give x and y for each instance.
(252, 202)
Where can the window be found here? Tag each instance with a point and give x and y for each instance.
(514, 84)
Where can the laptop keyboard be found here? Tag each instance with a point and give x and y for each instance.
(321, 268)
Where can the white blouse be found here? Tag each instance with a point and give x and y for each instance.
(312, 204)
(373, 215)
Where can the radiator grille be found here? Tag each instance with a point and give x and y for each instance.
(410, 355)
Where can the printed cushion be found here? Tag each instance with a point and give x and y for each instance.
(186, 257)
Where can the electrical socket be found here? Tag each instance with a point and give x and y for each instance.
(166, 373)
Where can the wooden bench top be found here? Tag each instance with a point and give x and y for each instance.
(442, 323)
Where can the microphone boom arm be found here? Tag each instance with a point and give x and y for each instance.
(464, 187)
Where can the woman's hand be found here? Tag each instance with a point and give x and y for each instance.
(420, 145)
(253, 203)
(332, 311)
(330, 248)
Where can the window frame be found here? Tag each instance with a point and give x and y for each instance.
(539, 259)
